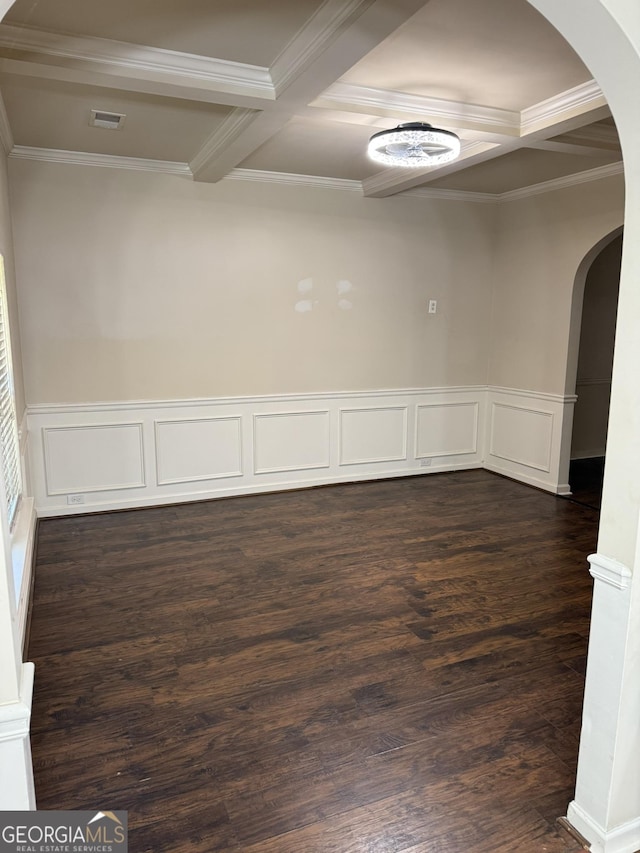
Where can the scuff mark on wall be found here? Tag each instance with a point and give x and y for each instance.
(344, 286)
(305, 285)
(305, 288)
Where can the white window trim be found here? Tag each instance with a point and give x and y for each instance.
(9, 440)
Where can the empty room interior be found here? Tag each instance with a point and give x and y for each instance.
(306, 542)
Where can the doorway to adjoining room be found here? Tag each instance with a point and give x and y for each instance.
(593, 380)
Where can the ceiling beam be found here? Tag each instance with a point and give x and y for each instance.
(131, 67)
(241, 127)
(169, 88)
(404, 107)
(560, 147)
(556, 114)
(342, 32)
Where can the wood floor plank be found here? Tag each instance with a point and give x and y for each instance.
(389, 667)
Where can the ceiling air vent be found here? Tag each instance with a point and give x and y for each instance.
(111, 121)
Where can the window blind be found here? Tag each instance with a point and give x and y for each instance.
(9, 445)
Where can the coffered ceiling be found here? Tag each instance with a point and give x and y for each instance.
(291, 90)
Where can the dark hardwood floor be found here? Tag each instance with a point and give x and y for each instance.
(368, 668)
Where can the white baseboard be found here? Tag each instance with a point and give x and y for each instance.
(266, 488)
(622, 839)
(507, 471)
(584, 455)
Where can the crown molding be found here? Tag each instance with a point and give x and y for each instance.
(6, 137)
(313, 38)
(289, 179)
(532, 395)
(450, 195)
(107, 55)
(578, 99)
(232, 126)
(168, 167)
(586, 177)
(385, 101)
(85, 158)
(36, 409)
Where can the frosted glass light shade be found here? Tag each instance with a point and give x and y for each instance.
(414, 145)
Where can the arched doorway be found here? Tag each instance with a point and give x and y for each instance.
(600, 283)
(606, 807)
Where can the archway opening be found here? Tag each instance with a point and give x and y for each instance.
(601, 284)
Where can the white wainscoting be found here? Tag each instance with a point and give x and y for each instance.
(373, 435)
(446, 429)
(290, 441)
(93, 458)
(529, 436)
(192, 449)
(117, 455)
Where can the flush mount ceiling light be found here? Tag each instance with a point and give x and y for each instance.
(414, 145)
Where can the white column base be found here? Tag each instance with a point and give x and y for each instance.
(622, 839)
(17, 790)
(606, 808)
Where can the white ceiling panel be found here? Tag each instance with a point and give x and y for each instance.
(250, 31)
(524, 168)
(53, 114)
(307, 146)
(499, 53)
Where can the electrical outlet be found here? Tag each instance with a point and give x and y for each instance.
(425, 463)
(433, 306)
(75, 499)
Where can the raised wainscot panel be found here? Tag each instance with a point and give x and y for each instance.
(93, 458)
(290, 441)
(373, 435)
(522, 435)
(193, 449)
(446, 429)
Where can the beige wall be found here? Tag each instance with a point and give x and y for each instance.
(541, 242)
(6, 249)
(144, 286)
